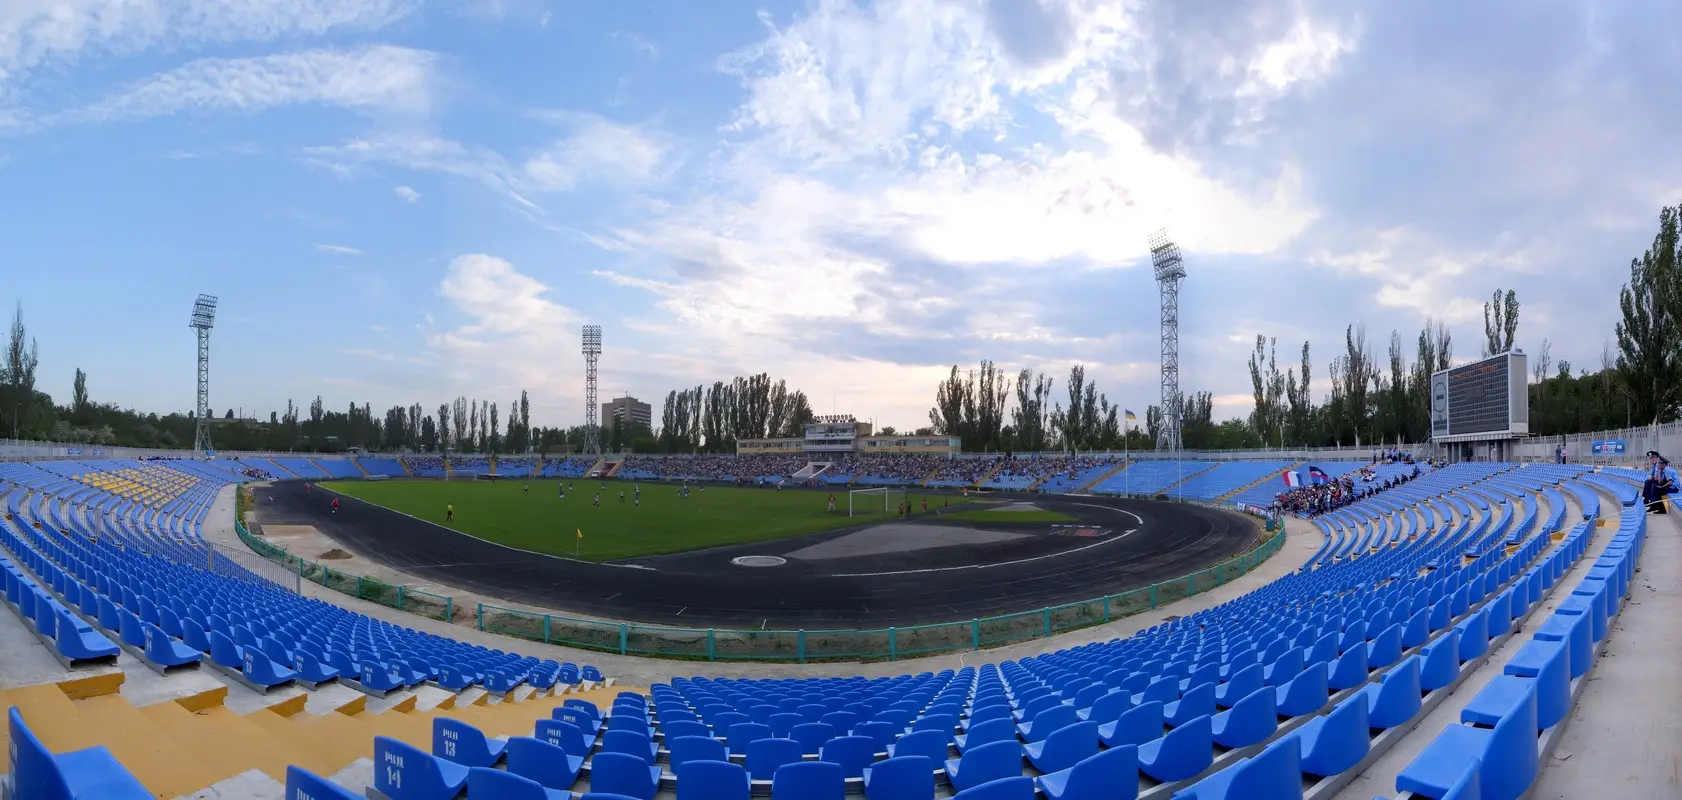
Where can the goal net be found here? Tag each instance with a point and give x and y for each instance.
(880, 501)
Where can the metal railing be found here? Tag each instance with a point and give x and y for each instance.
(244, 565)
(402, 598)
(891, 644)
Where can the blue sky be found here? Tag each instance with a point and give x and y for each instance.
(401, 202)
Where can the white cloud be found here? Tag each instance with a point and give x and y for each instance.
(406, 193)
(641, 44)
(845, 82)
(1308, 53)
(235, 149)
(375, 79)
(898, 169)
(36, 32)
(599, 150)
(372, 354)
(511, 329)
(338, 249)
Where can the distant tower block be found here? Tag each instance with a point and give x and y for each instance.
(203, 319)
(1165, 258)
(592, 426)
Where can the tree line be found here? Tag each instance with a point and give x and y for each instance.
(712, 419)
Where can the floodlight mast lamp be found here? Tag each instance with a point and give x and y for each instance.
(592, 351)
(203, 319)
(1170, 271)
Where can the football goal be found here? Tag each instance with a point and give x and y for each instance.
(881, 500)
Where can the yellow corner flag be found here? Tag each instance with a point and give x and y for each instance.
(580, 533)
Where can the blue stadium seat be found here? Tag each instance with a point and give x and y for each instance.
(712, 780)
(1064, 748)
(546, 764)
(765, 756)
(39, 774)
(483, 782)
(403, 772)
(566, 736)
(1503, 756)
(852, 753)
(985, 763)
(1184, 752)
(1273, 774)
(908, 777)
(813, 780)
(1249, 721)
(618, 773)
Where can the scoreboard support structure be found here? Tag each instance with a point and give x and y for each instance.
(1479, 411)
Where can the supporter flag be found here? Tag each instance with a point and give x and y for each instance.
(1318, 475)
(1293, 478)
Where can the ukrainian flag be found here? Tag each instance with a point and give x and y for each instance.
(1129, 415)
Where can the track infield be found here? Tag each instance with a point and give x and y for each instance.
(877, 573)
(533, 516)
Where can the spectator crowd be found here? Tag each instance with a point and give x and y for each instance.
(1316, 499)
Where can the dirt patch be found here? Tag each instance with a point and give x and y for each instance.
(333, 555)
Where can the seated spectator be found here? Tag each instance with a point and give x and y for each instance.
(1661, 480)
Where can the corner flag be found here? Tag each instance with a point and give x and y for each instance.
(580, 533)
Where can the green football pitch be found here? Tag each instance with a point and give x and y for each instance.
(665, 522)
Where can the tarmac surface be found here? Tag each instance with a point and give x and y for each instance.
(906, 572)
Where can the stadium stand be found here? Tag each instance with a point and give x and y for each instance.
(425, 466)
(1286, 692)
(379, 465)
(338, 467)
(1069, 474)
(1226, 478)
(513, 467)
(566, 467)
(1150, 477)
(301, 467)
(956, 473)
(266, 466)
(105, 557)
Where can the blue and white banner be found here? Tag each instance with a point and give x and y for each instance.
(1607, 447)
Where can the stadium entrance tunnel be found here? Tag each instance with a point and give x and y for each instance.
(922, 570)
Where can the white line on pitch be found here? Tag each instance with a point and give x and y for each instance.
(1123, 535)
(488, 541)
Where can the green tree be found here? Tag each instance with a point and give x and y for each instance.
(1648, 354)
(1500, 322)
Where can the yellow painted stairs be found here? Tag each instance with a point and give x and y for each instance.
(178, 747)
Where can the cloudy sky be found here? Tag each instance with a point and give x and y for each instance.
(402, 201)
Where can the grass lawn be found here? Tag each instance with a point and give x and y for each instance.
(1002, 515)
(666, 523)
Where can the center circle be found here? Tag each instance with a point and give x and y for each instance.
(758, 561)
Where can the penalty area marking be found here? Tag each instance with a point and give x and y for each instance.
(985, 566)
(926, 570)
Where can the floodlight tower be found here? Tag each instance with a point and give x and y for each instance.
(592, 351)
(203, 319)
(1165, 258)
